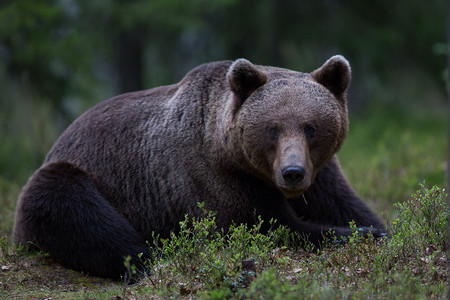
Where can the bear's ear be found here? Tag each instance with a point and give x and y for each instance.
(244, 78)
(335, 75)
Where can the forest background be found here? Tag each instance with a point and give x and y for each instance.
(60, 57)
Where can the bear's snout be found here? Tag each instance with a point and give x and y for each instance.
(293, 174)
(292, 166)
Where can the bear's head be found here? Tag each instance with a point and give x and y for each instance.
(288, 124)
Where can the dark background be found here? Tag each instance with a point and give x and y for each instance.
(58, 58)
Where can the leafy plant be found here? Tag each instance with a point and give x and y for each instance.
(422, 220)
(207, 260)
(202, 256)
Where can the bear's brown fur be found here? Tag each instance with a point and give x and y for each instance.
(245, 140)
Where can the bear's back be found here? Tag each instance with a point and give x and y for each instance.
(133, 145)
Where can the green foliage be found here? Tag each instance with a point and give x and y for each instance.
(40, 48)
(64, 50)
(4, 250)
(412, 256)
(205, 261)
(269, 286)
(422, 222)
(9, 253)
(204, 256)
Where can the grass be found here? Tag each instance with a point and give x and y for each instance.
(390, 150)
(388, 153)
(202, 261)
(205, 263)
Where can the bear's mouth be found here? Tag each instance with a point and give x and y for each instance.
(292, 192)
(292, 189)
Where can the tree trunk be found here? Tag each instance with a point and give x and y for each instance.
(130, 61)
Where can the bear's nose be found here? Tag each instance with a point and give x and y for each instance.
(293, 174)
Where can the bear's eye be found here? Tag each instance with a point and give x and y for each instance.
(310, 131)
(273, 132)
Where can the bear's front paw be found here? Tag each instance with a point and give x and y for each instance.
(342, 234)
(376, 232)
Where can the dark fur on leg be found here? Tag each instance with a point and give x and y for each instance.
(62, 212)
(331, 203)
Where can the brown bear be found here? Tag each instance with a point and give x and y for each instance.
(245, 140)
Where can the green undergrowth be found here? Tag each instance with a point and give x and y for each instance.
(410, 263)
(205, 262)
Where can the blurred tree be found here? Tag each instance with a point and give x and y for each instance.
(62, 49)
(134, 28)
(59, 57)
(41, 48)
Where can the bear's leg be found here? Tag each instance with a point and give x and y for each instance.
(331, 200)
(330, 204)
(313, 231)
(62, 212)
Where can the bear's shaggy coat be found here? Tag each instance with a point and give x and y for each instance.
(245, 140)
